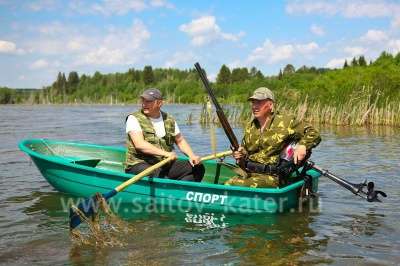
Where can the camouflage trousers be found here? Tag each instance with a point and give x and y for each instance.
(254, 180)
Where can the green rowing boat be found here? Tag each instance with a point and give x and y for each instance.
(81, 170)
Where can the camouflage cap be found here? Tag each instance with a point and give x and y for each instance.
(262, 93)
(152, 94)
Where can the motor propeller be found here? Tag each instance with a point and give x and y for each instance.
(372, 195)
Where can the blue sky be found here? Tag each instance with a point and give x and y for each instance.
(40, 38)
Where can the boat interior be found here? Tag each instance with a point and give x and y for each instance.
(113, 158)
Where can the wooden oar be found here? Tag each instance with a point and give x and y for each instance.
(89, 206)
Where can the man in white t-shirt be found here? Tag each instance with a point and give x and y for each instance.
(151, 135)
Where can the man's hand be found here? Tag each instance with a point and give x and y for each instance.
(239, 154)
(299, 153)
(194, 159)
(171, 154)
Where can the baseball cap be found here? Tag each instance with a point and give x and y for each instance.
(152, 94)
(262, 93)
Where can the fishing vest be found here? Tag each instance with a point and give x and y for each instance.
(265, 147)
(166, 143)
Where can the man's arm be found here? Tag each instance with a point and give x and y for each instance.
(186, 149)
(146, 147)
(309, 138)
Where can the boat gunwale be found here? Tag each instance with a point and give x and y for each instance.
(23, 145)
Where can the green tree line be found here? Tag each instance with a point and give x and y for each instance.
(357, 80)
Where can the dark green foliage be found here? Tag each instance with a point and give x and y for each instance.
(397, 59)
(354, 62)
(224, 76)
(60, 84)
(289, 69)
(379, 81)
(148, 75)
(239, 74)
(72, 82)
(253, 71)
(362, 61)
(259, 75)
(384, 59)
(6, 96)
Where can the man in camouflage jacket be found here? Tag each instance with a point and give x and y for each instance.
(265, 137)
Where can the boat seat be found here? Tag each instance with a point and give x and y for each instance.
(88, 162)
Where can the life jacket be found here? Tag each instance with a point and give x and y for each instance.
(134, 156)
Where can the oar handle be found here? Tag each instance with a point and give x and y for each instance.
(149, 170)
(143, 174)
(217, 155)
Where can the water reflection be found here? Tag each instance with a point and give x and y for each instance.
(179, 238)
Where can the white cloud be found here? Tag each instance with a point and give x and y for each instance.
(394, 46)
(52, 28)
(234, 64)
(117, 7)
(311, 7)
(396, 22)
(161, 3)
(317, 30)
(355, 50)
(374, 36)
(39, 64)
(40, 5)
(87, 46)
(139, 34)
(48, 46)
(212, 76)
(349, 9)
(272, 53)
(118, 47)
(307, 48)
(104, 56)
(205, 30)
(370, 9)
(7, 47)
(77, 44)
(337, 62)
(179, 58)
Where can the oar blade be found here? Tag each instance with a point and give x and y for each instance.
(87, 208)
(74, 218)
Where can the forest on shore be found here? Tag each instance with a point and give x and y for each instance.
(370, 89)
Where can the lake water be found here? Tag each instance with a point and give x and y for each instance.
(344, 230)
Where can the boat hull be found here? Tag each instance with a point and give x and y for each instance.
(152, 194)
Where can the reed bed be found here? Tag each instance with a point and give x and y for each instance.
(351, 113)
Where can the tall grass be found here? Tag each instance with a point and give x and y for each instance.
(353, 112)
